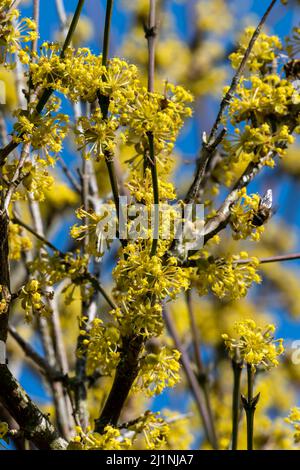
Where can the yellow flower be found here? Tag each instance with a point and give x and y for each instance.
(264, 51)
(294, 419)
(255, 345)
(111, 439)
(102, 345)
(158, 371)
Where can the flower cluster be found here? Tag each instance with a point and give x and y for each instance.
(3, 301)
(158, 371)
(257, 143)
(225, 277)
(153, 428)
(45, 132)
(294, 419)
(264, 51)
(159, 115)
(142, 282)
(263, 97)
(14, 32)
(255, 345)
(97, 136)
(34, 176)
(33, 297)
(56, 268)
(80, 75)
(102, 343)
(241, 218)
(110, 439)
(141, 189)
(3, 429)
(18, 242)
(95, 228)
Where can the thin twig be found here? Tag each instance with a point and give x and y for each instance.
(150, 160)
(194, 386)
(40, 361)
(72, 180)
(235, 81)
(237, 366)
(210, 145)
(201, 372)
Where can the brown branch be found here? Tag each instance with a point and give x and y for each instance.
(35, 425)
(126, 373)
(150, 34)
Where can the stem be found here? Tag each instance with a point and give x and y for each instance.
(104, 106)
(235, 81)
(271, 259)
(36, 425)
(193, 383)
(249, 406)
(150, 36)
(40, 361)
(126, 373)
(36, 16)
(237, 366)
(202, 375)
(154, 175)
(106, 37)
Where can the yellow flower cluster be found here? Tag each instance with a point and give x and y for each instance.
(34, 176)
(3, 302)
(92, 230)
(162, 116)
(13, 32)
(264, 96)
(259, 142)
(154, 429)
(55, 268)
(264, 51)
(80, 75)
(45, 132)
(255, 345)
(142, 282)
(294, 419)
(158, 371)
(18, 242)
(225, 277)
(97, 136)
(141, 188)
(32, 299)
(102, 342)
(241, 218)
(111, 439)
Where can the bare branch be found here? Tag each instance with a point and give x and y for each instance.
(193, 383)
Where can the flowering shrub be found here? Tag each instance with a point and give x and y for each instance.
(103, 256)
